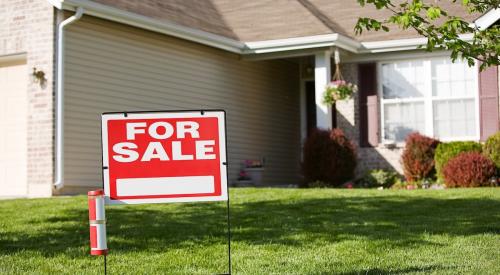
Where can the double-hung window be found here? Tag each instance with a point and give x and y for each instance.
(435, 97)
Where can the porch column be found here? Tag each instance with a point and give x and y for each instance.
(322, 75)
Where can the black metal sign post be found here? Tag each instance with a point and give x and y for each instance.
(228, 235)
(228, 212)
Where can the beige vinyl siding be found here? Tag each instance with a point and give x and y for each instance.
(112, 67)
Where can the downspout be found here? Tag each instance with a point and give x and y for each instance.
(58, 184)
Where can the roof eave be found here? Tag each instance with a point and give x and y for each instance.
(234, 46)
(487, 19)
(148, 23)
(399, 45)
(299, 43)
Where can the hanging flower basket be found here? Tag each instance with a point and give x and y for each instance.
(338, 90)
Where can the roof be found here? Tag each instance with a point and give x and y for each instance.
(258, 20)
(253, 21)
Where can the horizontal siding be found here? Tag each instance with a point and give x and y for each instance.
(111, 67)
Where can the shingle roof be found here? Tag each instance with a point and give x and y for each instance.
(258, 20)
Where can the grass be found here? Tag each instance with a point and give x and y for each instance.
(275, 231)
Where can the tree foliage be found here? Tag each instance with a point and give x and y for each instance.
(442, 30)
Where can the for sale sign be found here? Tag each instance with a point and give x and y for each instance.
(155, 157)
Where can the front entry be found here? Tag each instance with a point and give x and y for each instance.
(311, 108)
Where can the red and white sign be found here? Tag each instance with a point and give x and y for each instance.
(160, 157)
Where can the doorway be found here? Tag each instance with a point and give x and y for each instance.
(310, 108)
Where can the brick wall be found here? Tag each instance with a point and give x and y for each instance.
(27, 26)
(348, 120)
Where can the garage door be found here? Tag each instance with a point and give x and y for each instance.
(13, 128)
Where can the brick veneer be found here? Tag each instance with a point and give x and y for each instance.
(27, 26)
(348, 120)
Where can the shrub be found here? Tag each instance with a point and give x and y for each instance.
(418, 157)
(318, 184)
(469, 169)
(399, 184)
(379, 178)
(329, 157)
(447, 151)
(492, 149)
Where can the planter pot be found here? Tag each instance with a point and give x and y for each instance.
(256, 175)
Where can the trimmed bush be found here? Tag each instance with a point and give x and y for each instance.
(379, 178)
(329, 157)
(492, 149)
(446, 151)
(418, 157)
(469, 169)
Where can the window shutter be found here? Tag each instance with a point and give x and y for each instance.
(488, 102)
(368, 104)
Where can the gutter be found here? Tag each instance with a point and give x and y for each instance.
(487, 19)
(300, 43)
(59, 183)
(400, 44)
(151, 24)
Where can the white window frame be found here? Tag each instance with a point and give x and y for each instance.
(428, 100)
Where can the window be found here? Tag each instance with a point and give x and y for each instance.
(435, 97)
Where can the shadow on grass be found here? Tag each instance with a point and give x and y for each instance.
(373, 271)
(401, 221)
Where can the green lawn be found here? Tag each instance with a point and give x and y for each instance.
(275, 231)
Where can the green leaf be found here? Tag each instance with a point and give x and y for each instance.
(433, 13)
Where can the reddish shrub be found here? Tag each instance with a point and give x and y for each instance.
(418, 157)
(468, 169)
(329, 157)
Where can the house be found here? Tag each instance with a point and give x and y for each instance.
(64, 62)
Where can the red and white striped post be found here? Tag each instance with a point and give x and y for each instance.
(97, 220)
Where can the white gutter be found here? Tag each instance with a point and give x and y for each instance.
(299, 43)
(60, 98)
(487, 19)
(399, 44)
(148, 23)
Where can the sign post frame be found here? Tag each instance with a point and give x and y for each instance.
(225, 164)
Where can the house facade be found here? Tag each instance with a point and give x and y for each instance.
(63, 63)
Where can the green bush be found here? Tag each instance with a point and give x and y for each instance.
(399, 184)
(491, 149)
(446, 151)
(379, 178)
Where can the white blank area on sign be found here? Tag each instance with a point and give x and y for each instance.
(165, 186)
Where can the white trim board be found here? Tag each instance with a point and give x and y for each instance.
(488, 19)
(400, 44)
(305, 42)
